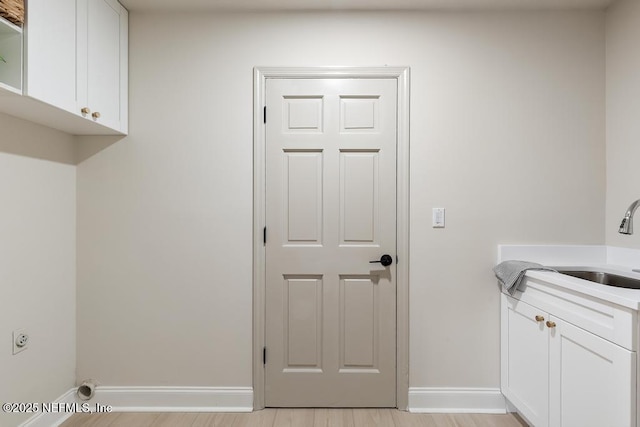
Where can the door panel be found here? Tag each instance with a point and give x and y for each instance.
(358, 323)
(358, 114)
(330, 209)
(303, 323)
(302, 114)
(359, 197)
(303, 197)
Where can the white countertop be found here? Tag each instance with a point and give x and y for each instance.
(620, 261)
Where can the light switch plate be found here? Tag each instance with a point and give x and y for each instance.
(438, 218)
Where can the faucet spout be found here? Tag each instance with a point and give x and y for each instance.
(626, 227)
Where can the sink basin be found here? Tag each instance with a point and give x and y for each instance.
(605, 278)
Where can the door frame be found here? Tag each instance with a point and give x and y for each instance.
(260, 76)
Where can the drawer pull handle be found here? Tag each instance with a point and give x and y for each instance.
(551, 324)
(85, 110)
(539, 318)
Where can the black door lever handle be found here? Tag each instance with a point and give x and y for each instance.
(385, 260)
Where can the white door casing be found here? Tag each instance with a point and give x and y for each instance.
(328, 207)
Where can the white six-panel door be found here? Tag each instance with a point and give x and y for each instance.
(330, 210)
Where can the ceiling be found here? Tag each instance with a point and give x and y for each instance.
(309, 5)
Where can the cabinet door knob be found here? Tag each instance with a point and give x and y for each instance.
(96, 115)
(539, 318)
(551, 324)
(85, 110)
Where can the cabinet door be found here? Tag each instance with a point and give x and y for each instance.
(592, 381)
(50, 41)
(102, 60)
(525, 360)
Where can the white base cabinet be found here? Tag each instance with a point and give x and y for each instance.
(559, 374)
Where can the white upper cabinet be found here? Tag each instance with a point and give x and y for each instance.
(50, 52)
(75, 66)
(102, 62)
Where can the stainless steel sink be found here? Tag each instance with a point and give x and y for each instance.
(605, 278)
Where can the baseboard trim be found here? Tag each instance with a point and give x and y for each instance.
(53, 419)
(175, 399)
(240, 399)
(150, 399)
(456, 400)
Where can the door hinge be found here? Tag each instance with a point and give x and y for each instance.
(264, 235)
(264, 114)
(264, 355)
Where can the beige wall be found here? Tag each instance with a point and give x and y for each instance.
(27, 139)
(507, 133)
(623, 118)
(37, 263)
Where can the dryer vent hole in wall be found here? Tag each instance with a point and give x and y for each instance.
(87, 389)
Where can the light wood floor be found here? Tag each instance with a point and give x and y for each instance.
(295, 418)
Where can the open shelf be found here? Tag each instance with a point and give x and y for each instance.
(11, 51)
(7, 27)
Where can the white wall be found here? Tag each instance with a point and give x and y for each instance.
(37, 263)
(623, 113)
(507, 133)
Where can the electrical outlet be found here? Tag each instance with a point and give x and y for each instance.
(20, 340)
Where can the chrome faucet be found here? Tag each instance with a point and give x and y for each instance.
(627, 222)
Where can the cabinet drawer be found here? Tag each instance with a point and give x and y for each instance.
(607, 320)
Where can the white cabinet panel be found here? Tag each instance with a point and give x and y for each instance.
(525, 373)
(102, 62)
(50, 54)
(592, 380)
